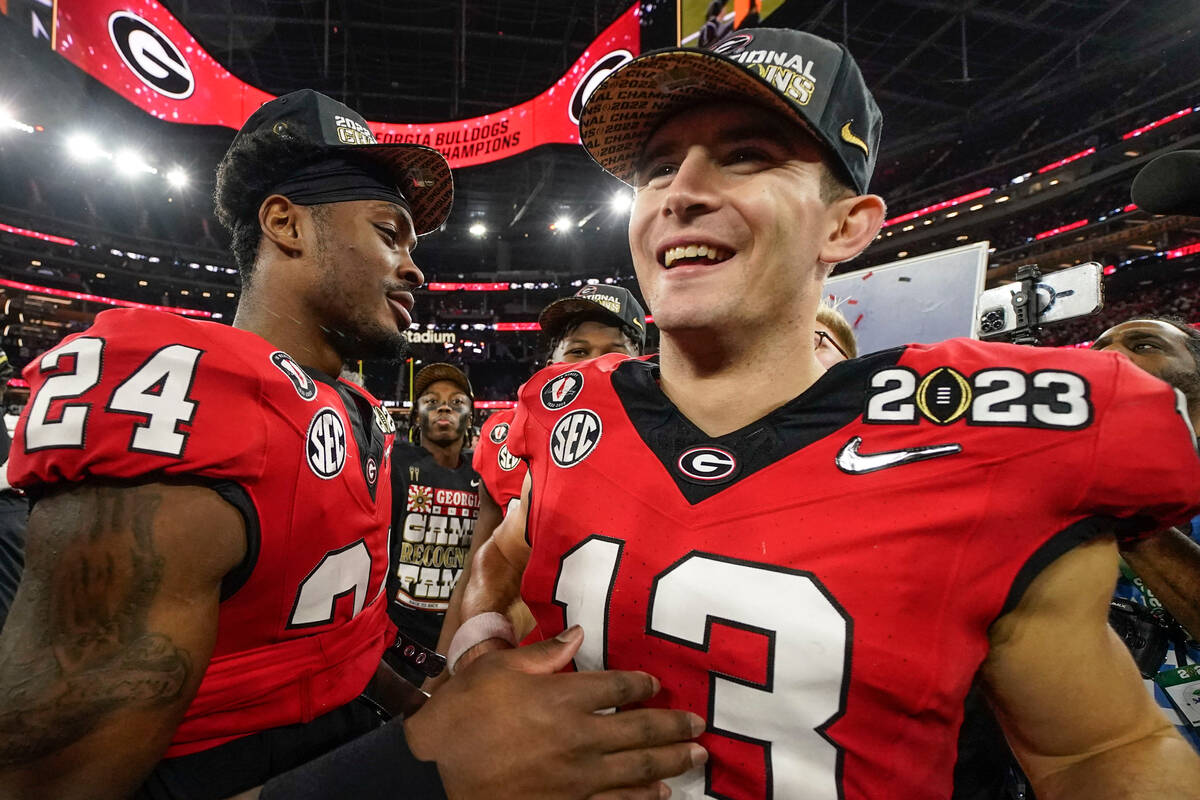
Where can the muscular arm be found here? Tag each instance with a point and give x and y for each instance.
(110, 634)
(1169, 564)
(1070, 698)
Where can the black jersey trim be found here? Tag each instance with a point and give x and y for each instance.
(1081, 532)
(237, 496)
(835, 400)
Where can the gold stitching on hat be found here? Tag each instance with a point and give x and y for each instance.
(279, 128)
(849, 138)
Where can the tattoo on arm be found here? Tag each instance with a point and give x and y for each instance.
(82, 650)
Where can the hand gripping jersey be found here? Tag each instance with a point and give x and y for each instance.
(778, 579)
(143, 395)
(502, 473)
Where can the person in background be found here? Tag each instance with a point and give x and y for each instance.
(436, 501)
(14, 512)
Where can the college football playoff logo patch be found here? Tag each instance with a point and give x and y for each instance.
(506, 460)
(562, 391)
(574, 437)
(499, 433)
(325, 444)
(707, 465)
(306, 387)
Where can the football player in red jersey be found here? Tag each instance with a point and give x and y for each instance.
(767, 535)
(595, 321)
(203, 597)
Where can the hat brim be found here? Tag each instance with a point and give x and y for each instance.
(423, 175)
(665, 82)
(556, 316)
(433, 373)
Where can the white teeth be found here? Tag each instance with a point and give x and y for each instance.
(694, 251)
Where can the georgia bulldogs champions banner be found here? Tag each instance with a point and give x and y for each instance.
(141, 51)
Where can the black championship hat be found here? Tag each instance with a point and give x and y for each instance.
(613, 303)
(441, 371)
(420, 175)
(802, 76)
(1170, 184)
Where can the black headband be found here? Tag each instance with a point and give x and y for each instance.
(337, 180)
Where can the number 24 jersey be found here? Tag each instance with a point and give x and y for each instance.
(819, 584)
(144, 395)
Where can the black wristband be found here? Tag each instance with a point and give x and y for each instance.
(375, 765)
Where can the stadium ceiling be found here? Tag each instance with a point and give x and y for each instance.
(937, 66)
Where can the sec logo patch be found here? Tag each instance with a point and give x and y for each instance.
(506, 460)
(499, 433)
(562, 391)
(574, 437)
(325, 444)
(707, 465)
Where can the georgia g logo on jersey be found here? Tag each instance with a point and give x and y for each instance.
(562, 391)
(325, 444)
(574, 437)
(707, 465)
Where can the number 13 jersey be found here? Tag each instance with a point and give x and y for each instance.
(819, 584)
(145, 395)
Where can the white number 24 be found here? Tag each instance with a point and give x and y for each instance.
(809, 653)
(157, 391)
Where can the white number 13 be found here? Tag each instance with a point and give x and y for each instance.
(809, 654)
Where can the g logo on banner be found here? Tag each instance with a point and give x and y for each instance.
(588, 83)
(151, 55)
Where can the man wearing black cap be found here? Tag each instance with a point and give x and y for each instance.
(436, 502)
(597, 320)
(767, 535)
(203, 600)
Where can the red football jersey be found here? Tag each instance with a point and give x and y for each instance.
(502, 473)
(819, 584)
(142, 395)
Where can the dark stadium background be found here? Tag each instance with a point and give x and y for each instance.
(1022, 123)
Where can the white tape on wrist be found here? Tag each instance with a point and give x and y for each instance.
(479, 628)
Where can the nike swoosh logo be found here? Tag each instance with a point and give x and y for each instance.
(474, 483)
(849, 138)
(851, 461)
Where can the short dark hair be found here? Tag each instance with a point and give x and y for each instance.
(833, 185)
(625, 328)
(1193, 335)
(253, 166)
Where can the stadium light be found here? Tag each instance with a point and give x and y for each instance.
(177, 177)
(621, 202)
(83, 147)
(131, 163)
(7, 120)
(477, 229)
(563, 223)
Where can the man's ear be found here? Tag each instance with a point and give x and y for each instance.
(280, 221)
(858, 219)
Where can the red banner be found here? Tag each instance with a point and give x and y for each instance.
(141, 51)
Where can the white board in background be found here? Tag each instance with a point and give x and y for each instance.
(924, 299)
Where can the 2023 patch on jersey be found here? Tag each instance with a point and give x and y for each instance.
(818, 585)
(142, 395)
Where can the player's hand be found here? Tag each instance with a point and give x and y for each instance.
(512, 726)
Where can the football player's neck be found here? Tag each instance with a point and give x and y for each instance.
(723, 381)
(446, 454)
(278, 314)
